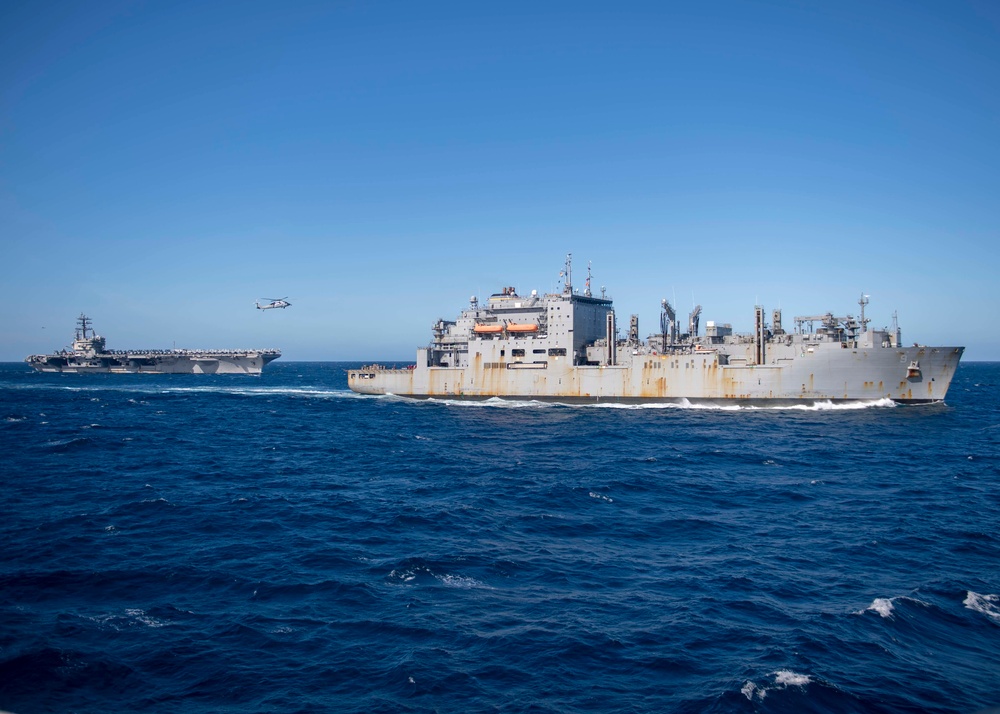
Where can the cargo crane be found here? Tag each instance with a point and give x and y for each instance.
(828, 321)
(693, 321)
(668, 324)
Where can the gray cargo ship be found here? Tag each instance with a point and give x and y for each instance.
(566, 347)
(88, 354)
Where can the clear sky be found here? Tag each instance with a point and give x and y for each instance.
(164, 164)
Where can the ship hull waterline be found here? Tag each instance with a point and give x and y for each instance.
(831, 375)
(159, 364)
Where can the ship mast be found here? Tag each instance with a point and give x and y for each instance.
(862, 302)
(84, 322)
(568, 275)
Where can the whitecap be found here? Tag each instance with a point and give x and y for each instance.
(988, 605)
(886, 606)
(130, 618)
(404, 575)
(782, 678)
(788, 678)
(463, 582)
(142, 618)
(602, 497)
(881, 605)
(749, 689)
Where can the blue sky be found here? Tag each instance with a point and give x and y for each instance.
(164, 164)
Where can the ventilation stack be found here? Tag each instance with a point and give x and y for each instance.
(759, 335)
(611, 356)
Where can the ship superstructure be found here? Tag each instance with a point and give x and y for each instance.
(89, 354)
(568, 347)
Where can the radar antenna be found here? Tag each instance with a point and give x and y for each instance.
(83, 323)
(567, 274)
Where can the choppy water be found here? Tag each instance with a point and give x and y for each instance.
(279, 544)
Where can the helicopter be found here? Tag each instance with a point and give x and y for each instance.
(275, 303)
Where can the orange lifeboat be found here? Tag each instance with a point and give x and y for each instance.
(484, 329)
(520, 328)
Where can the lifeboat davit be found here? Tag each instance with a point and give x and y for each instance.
(522, 327)
(484, 329)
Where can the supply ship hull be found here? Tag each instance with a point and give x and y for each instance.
(88, 355)
(566, 348)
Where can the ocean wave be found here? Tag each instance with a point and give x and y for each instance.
(208, 389)
(417, 573)
(131, 617)
(885, 607)
(881, 605)
(783, 679)
(262, 544)
(310, 392)
(67, 444)
(462, 582)
(988, 605)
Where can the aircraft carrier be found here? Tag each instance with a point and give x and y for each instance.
(88, 354)
(566, 347)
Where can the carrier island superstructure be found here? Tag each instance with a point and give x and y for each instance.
(88, 354)
(567, 347)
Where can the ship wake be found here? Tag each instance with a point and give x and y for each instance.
(682, 404)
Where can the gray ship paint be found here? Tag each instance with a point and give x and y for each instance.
(88, 354)
(565, 347)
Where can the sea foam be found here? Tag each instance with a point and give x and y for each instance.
(988, 605)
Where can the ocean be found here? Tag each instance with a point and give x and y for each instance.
(280, 544)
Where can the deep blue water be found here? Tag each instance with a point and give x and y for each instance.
(279, 544)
